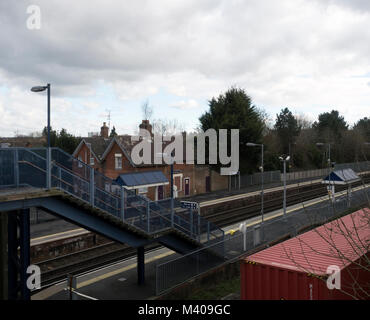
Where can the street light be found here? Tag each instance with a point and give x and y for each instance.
(329, 164)
(250, 144)
(48, 155)
(284, 200)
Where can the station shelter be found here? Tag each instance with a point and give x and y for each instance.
(340, 177)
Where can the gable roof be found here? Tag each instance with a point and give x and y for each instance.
(344, 176)
(124, 143)
(97, 146)
(100, 147)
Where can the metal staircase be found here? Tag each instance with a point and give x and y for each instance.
(55, 170)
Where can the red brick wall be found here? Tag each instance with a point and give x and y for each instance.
(85, 154)
(219, 182)
(188, 171)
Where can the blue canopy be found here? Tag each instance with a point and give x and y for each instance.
(142, 179)
(345, 176)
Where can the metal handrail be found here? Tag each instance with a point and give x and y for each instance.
(83, 188)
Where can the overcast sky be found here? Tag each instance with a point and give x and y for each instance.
(310, 56)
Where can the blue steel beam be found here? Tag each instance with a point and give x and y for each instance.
(79, 216)
(83, 218)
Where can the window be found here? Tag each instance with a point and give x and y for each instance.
(177, 181)
(92, 161)
(118, 161)
(80, 162)
(143, 190)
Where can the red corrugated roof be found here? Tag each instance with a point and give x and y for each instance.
(336, 243)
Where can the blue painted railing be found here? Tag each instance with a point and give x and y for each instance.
(29, 167)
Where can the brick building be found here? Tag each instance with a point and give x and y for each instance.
(112, 157)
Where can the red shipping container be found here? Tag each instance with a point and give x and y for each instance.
(296, 269)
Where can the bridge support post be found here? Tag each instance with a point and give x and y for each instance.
(140, 266)
(18, 235)
(3, 256)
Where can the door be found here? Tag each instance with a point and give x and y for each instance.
(208, 184)
(187, 186)
(160, 192)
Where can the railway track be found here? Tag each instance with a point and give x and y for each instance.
(56, 269)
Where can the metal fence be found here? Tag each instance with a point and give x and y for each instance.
(278, 177)
(29, 167)
(179, 270)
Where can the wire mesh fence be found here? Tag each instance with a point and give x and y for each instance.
(270, 177)
(179, 270)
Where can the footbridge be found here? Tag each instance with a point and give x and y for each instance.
(58, 183)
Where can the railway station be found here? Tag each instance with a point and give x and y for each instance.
(184, 158)
(134, 248)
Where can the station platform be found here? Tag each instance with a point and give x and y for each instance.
(119, 281)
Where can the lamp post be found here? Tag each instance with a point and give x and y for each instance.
(329, 164)
(284, 200)
(48, 153)
(250, 144)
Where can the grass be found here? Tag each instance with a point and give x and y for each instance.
(217, 291)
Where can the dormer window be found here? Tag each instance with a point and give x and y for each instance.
(118, 161)
(92, 162)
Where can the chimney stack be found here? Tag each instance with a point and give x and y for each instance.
(104, 131)
(147, 126)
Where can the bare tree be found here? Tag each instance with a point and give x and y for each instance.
(348, 243)
(147, 110)
(167, 127)
(303, 121)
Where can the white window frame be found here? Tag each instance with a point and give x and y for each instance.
(117, 156)
(92, 161)
(178, 175)
(142, 190)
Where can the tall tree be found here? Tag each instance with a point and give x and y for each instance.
(363, 126)
(287, 129)
(330, 125)
(234, 110)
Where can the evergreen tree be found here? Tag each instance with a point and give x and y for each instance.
(287, 129)
(234, 110)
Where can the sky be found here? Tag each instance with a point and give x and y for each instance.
(311, 56)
